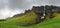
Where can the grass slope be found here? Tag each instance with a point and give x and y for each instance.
(53, 23)
(28, 19)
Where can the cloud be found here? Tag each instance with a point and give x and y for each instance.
(6, 12)
(22, 4)
(18, 6)
(25, 4)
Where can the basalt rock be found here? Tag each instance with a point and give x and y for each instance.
(48, 10)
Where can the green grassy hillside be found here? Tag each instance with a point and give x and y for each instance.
(53, 23)
(28, 19)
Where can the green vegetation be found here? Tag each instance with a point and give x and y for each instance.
(28, 19)
(53, 23)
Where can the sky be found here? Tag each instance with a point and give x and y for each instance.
(8, 8)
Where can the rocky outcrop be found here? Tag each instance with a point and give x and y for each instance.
(48, 10)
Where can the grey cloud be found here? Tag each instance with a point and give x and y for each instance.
(18, 6)
(25, 4)
(1, 4)
(22, 4)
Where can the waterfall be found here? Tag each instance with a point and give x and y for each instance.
(43, 13)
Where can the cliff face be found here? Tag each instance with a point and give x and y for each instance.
(40, 9)
(48, 10)
(54, 9)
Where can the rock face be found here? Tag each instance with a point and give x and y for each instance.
(48, 10)
(52, 8)
(39, 10)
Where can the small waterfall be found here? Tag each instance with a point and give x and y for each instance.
(43, 13)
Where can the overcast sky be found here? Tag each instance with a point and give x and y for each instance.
(9, 8)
